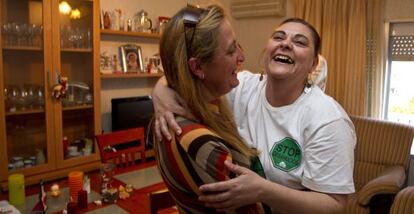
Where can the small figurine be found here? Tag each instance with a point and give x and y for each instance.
(59, 90)
(129, 25)
(116, 65)
(54, 190)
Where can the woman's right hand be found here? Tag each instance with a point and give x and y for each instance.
(234, 193)
(166, 104)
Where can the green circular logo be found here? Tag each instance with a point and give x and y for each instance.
(286, 154)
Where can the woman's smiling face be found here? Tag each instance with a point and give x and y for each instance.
(290, 53)
(221, 73)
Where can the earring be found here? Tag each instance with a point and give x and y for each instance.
(202, 76)
(261, 75)
(308, 86)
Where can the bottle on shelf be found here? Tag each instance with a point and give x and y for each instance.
(40, 157)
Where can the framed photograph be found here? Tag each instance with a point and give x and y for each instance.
(131, 58)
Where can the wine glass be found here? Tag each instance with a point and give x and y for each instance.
(40, 99)
(12, 97)
(31, 97)
(22, 99)
(5, 32)
(37, 35)
(6, 96)
(18, 30)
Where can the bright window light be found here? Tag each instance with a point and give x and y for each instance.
(401, 92)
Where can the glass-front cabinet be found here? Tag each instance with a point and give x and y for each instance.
(48, 73)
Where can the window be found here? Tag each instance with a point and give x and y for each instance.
(399, 93)
(399, 100)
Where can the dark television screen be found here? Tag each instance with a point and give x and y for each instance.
(131, 112)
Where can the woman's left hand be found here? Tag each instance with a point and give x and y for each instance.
(234, 193)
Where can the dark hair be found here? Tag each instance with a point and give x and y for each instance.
(315, 35)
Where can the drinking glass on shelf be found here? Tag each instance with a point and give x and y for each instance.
(66, 36)
(76, 38)
(12, 97)
(87, 38)
(22, 99)
(28, 33)
(6, 96)
(5, 33)
(37, 38)
(39, 98)
(18, 30)
(31, 97)
(24, 34)
(12, 36)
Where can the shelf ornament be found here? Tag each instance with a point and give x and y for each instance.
(60, 89)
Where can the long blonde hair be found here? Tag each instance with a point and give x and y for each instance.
(175, 62)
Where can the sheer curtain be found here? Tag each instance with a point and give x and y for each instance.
(375, 57)
(342, 25)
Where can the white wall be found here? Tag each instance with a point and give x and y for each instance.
(111, 88)
(399, 10)
(253, 34)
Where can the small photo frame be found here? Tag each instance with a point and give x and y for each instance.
(131, 58)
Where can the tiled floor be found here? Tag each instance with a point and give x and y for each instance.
(111, 209)
(141, 178)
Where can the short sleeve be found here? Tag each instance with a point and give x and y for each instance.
(329, 155)
(208, 154)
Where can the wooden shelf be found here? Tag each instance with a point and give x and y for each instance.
(77, 50)
(25, 112)
(79, 107)
(130, 33)
(36, 111)
(29, 48)
(22, 48)
(130, 75)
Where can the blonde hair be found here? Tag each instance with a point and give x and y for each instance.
(179, 77)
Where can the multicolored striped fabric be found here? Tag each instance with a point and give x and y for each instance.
(194, 158)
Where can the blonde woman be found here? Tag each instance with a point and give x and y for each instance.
(201, 56)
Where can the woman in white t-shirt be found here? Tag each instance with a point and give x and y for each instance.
(305, 139)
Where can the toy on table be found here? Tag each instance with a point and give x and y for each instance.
(55, 190)
(125, 192)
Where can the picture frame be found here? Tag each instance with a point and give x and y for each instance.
(131, 58)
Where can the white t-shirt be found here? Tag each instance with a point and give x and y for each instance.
(306, 145)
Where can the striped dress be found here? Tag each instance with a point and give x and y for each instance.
(194, 158)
